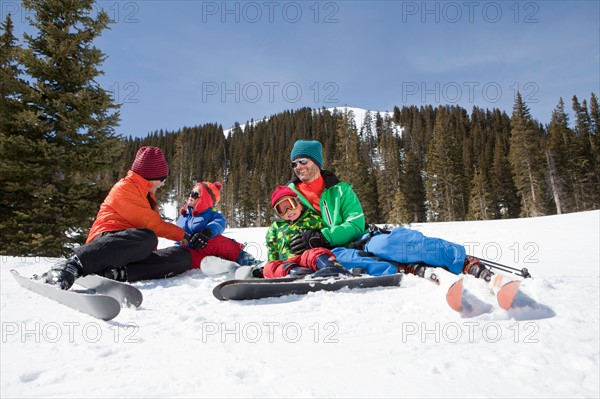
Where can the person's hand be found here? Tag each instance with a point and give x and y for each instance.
(308, 239)
(200, 239)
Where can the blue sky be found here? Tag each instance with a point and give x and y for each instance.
(184, 63)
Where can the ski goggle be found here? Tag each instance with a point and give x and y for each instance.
(194, 194)
(284, 205)
(301, 161)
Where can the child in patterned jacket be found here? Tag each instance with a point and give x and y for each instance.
(292, 219)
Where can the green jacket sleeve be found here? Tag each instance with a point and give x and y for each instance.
(343, 215)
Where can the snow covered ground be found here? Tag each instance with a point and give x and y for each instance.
(386, 342)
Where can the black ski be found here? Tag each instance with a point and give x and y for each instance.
(99, 306)
(240, 290)
(217, 289)
(124, 293)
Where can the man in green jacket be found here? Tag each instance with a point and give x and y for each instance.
(322, 191)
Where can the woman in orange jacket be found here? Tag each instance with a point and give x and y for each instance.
(122, 241)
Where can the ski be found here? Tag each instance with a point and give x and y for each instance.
(240, 290)
(219, 296)
(124, 293)
(505, 290)
(451, 284)
(454, 295)
(99, 306)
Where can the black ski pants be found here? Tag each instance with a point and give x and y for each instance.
(133, 249)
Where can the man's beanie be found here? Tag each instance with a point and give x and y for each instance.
(281, 192)
(308, 149)
(210, 195)
(150, 163)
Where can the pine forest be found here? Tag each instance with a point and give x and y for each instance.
(60, 154)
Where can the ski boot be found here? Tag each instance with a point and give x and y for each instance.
(299, 271)
(418, 269)
(358, 271)
(257, 270)
(329, 268)
(474, 267)
(246, 259)
(295, 270)
(64, 273)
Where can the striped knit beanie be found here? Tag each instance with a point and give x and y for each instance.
(310, 149)
(150, 163)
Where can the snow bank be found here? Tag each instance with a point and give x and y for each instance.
(387, 342)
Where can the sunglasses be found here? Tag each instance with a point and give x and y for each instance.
(301, 161)
(284, 205)
(194, 194)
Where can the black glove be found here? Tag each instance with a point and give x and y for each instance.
(200, 239)
(308, 239)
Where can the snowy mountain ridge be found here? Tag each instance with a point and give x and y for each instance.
(359, 118)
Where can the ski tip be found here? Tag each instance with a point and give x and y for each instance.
(217, 293)
(454, 295)
(506, 294)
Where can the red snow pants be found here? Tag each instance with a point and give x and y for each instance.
(220, 246)
(308, 258)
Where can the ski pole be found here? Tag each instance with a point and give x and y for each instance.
(495, 265)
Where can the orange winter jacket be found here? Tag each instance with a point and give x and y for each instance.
(127, 207)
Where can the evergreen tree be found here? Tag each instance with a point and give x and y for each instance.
(14, 147)
(525, 160)
(446, 195)
(389, 173)
(414, 188)
(595, 132)
(12, 88)
(349, 165)
(594, 115)
(557, 155)
(481, 206)
(504, 192)
(400, 214)
(62, 164)
(584, 159)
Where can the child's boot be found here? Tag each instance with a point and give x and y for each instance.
(246, 259)
(327, 268)
(295, 270)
